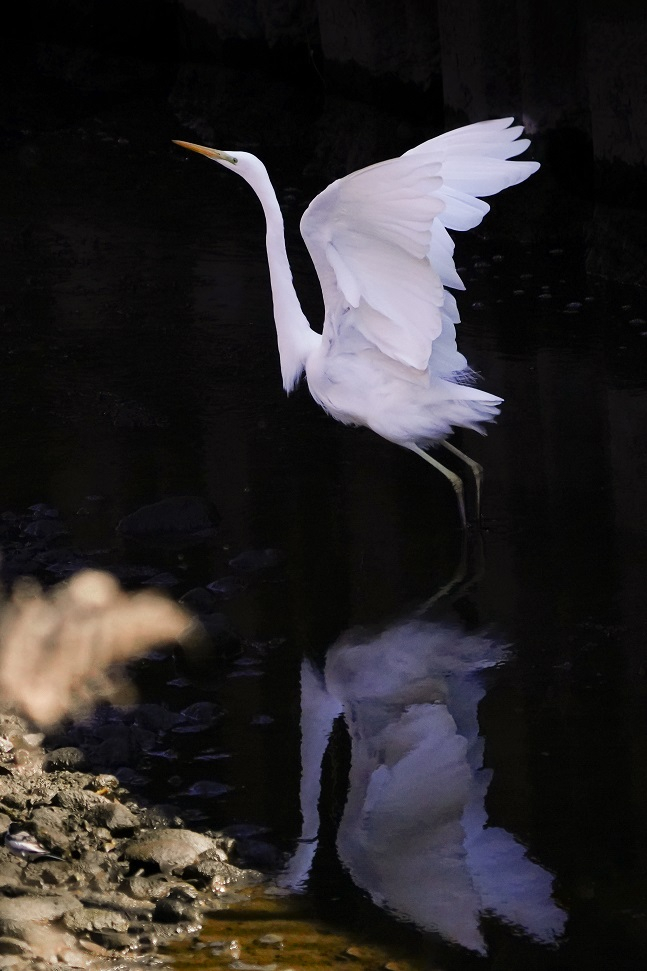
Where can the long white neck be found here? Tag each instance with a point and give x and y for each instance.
(296, 340)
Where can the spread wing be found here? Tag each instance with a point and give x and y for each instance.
(379, 242)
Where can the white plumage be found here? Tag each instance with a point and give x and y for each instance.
(387, 357)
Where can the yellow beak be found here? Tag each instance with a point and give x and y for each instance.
(209, 152)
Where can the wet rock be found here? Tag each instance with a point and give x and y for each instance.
(258, 854)
(174, 908)
(115, 940)
(155, 718)
(49, 824)
(70, 758)
(204, 713)
(94, 919)
(122, 744)
(11, 870)
(17, 911)
(45, 530)
(119, 819)
(160, 817)
(216, 875)
(205, 789)
(98, 810)
(131, 778)
(115, 900)
(227, 587)
(42, 511)
(168, 849)
(176, 522)
(153, 887)
(200, 600)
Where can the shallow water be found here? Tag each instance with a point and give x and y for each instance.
(498, 682)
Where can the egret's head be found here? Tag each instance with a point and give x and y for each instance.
(248, 166)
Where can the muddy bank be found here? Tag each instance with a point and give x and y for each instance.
(130, 879)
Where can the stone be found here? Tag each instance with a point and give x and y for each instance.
(216, 874)
(177, 521)
(88, 920)
(168, 849)
(15, 912)
(70, 758)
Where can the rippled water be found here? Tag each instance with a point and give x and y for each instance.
(472, 716)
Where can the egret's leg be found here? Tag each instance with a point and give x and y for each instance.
(476, 469)
(457, 485)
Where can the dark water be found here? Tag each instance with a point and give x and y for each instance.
(498, 682)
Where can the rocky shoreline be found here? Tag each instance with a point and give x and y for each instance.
(131, 878)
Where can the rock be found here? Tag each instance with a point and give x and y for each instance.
(155, 718)
(168, 849)
(203, 712)
(41, 509)
(258, 854)
(115, 940)
(69, 757)
(49, 825)
(160, 817)
(140, 910)
(45, 529)
(172, 909)
(15, 912)
(227, 587)
(122, 744)
(205, 789)
(154, 886)
(89, 920)
(119, 819)
(199, 600)
(177, 522)
(216, 874)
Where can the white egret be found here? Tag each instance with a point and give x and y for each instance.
(387, 357)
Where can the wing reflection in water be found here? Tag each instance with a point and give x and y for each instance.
(414, 830)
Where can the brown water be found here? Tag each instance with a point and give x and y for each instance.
(139, 361)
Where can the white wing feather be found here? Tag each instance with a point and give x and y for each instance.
(379, 240)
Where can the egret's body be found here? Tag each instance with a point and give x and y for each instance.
(387, 356)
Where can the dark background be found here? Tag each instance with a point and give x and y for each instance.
(282, 72)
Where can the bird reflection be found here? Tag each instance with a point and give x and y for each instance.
(414, 830)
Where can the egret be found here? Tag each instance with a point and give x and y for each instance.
(387, 355)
